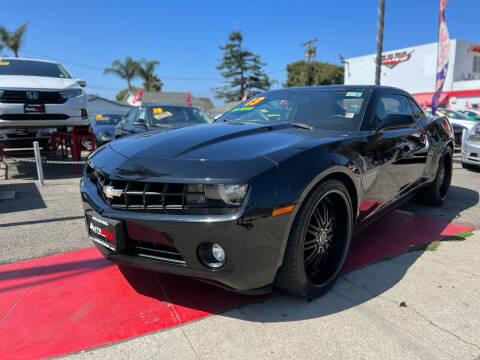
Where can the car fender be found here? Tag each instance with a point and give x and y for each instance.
(314, 176)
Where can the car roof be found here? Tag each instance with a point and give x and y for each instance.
(374, 88)
(159, 105)
(28, 59)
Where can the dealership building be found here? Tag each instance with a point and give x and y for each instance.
(413, 69)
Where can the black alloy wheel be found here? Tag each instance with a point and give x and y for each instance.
(319, 241)
(437, 191)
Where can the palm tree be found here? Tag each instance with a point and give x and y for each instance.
(151, 82)
(13, 39)
(126, 70)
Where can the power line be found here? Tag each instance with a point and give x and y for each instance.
(102, 69)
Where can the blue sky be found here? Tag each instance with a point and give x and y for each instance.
(184, 35)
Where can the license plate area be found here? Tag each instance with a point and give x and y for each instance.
(104, 231)
(34, 108)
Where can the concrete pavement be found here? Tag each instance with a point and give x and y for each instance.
(360, 318)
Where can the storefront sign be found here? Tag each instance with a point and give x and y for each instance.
(393, 59)
(475, 48)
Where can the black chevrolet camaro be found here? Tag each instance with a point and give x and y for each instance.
(272, 192)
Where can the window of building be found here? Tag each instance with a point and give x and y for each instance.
(476, 64)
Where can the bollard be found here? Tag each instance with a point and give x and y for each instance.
(38, 161)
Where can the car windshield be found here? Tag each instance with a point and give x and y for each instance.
(320, 108)
(165, 115)
(32, 68)
(453, 114)
(107, 119)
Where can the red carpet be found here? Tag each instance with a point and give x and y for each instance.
(77, 300)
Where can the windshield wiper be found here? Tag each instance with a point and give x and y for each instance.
(302, 126)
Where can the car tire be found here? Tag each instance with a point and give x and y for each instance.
(437, 191)
(323, 225)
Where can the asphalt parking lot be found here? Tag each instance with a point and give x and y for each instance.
(360, 318)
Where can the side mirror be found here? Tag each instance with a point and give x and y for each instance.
(141, 123)
(396, 121)
(82, 82)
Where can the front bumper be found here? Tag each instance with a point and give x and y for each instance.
(12, 115)
(471, 153)
(254, 245)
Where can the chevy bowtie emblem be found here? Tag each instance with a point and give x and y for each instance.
(110, 192)
(32, 95)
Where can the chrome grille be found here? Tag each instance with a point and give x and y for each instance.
(20, 97)
(148, 196)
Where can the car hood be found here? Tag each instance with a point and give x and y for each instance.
(220, 142)
(36, 82)
(468, 124)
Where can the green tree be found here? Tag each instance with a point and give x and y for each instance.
(122, 93)
(322, 73)
(242, 70)
(127, 70)
(13, 40)
(146, 71)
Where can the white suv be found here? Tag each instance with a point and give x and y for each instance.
(40, 94)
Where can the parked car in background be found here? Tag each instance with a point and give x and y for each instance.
(103, 126)
(40, 94)
(159, 117)
(458, 120)
(271, 192)
(471, 114)
(471, 147)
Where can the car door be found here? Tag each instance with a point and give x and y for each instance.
(124, 126)
(399, 150)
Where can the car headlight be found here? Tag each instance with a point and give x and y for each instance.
(231, 195)
(68, 94)
(473, 135)
(105, 135)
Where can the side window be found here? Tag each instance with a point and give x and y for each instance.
(387, 105)
(130, 117)
(416, 111)
(142, 116)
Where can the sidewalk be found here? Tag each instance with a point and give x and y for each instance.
(360, 318)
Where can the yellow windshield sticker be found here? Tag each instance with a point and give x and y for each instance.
(161, 116)
(98, 116)
(157, 110)
(271, 115)
(255, 101)
(264, 110)
(4, 63)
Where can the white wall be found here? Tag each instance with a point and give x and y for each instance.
(415, 75)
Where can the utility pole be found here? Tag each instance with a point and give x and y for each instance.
(378, 61)
(310, 52)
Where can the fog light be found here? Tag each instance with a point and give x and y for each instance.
(212, 255)
(218, 253)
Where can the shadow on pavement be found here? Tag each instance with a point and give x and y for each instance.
(458, 200)
(27, 197)
(27, 170)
